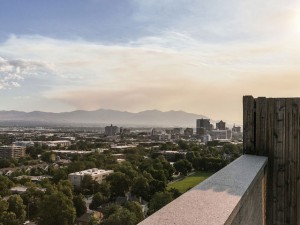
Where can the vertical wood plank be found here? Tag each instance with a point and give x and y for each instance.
(248, 124)
(297, 157)
(270, 151)
(261, 126)
(297, 165)
(277, 203)
(289, 149)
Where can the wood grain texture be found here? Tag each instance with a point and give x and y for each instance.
(275, 132)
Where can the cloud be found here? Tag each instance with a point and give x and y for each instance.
(172, 70)
(14, 71)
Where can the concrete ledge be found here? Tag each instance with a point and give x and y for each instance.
(217, 200)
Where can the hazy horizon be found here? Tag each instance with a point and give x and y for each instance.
(129, 55)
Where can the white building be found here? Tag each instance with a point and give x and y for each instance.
(96, 174)
(61, 143)
(206, 138)
(220, 134)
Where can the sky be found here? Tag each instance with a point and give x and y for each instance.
(197, 56)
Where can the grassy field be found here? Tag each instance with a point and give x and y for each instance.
(190, 181)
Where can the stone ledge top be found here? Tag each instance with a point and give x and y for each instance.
(214, 200)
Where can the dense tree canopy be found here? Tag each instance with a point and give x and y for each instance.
(120, 183)
(79, 205)
(97, 200)
(15, 205)
(57, 209)
(121, 216)
(6, 184)
(183, 166)
(159, 200)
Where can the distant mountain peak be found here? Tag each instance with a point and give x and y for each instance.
(152, 117)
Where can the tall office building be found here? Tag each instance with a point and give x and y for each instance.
(221, 125)
(111, 130)
(203, 125)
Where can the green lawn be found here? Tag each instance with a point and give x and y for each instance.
(190, 181)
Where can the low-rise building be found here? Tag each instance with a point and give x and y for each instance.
(59, 143)
(188, 131)
(23, 143)
(96, 174)
(220, 134)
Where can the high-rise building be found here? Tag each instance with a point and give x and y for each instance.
(203, 125)
(111, 130)
(12, 151)
(221, 125)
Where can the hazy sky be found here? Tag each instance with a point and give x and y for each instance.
(193, 55)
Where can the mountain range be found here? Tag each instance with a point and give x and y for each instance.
(101, 117)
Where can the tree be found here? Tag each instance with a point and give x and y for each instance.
(183, 166)
(111, 209)
(48, 157)
(103, 188)
(156, 186)
(175, 192)
(183, 145)
(121, 216)
(9, 218)
(93, 221)
(119, 183)
(190, 156)
(59, 174)
(6, 184)
(66, 187)
(136, 208)
(159, 200)
(126, 168)
(4, 163)
(31, 199)
(79, 205)
(98, 199)
(6, 217)
(15, 205)
(3, 205)
(140, 187)
(56, 209)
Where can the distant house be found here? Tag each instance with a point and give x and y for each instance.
(22, 189)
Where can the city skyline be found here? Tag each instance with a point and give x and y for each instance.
(196, 56)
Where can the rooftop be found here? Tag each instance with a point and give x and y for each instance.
(93, 171)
